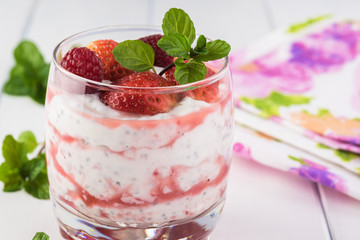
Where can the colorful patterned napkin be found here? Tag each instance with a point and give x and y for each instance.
(300, 87)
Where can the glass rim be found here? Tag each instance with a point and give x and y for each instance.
(107, 86)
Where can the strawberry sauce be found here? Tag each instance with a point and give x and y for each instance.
(117, 168)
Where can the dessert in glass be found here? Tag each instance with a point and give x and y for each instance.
(137, 156)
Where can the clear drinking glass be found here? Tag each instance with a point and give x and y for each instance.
(116, 175)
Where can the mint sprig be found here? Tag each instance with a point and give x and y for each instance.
(18, 171)
(204, 51)
(179, 35)
(178, 21)
(41, 236)
(29, 75)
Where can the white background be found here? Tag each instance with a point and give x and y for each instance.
(262, 203)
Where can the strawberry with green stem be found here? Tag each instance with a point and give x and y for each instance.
(137, 55)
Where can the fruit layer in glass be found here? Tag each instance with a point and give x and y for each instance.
(119, 170)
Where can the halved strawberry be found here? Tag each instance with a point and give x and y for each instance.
(162, 59)
(141, 101)
(208, 93)
(112, 69)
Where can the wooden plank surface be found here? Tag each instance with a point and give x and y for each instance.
(262, 203)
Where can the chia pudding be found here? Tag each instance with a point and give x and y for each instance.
(136, 150)
(118, 167)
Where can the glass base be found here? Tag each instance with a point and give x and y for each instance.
(73, 227)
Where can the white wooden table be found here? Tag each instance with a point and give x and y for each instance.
(262, 203)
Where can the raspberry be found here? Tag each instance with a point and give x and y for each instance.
(162, 59)
(84, 63)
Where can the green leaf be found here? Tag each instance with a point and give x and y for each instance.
(18, 172)
(10, 177)
(14, 153)
(135, 55)
(14, 185)
(28, 138)
(200, 48)
(39, 187)
(176, 45)
(16, 85)
(189, 72)
(216, 49)
(41, 236)
(31, 169)
(177, 21)
(200, 44)
(39, 90)
(29, 75)
(28, 55)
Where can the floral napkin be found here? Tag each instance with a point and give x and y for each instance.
(297, 94)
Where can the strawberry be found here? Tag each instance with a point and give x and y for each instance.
(208, 93)
(162, 59)
(112, 69)
(141, 101)
(84, 63)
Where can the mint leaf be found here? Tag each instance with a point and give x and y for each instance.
(29, 75)
(177, 21)
(28, 138)
(28, 55)
(216, 49)
(15, 184)
(189, 72)
(32, 168)
(16, 85)
(135, 55)
(39, 187)
(176, 45)
(11, 178)
(18, 172)
(14, 153)
(200, 44)
(41, 236)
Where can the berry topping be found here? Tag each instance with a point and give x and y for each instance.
(179, 34)
(84, 63)
(143, 101)
(112, 69)
(162, 59)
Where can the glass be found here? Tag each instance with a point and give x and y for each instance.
(116, 175)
